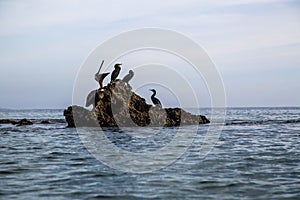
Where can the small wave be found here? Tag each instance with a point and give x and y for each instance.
(57, 121)
(52, 121)
(262, 122)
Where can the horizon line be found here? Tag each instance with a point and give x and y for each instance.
(204, 107)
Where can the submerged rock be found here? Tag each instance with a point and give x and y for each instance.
(46, 122)
(24, 122)
(118, 106)
(7, 121)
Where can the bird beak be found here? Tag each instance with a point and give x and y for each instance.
(100, 67)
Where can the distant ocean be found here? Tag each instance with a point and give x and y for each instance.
(257, 157)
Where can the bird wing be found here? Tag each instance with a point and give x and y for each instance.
(90, 99)
(126, 78)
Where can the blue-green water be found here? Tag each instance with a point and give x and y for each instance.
(257, 157)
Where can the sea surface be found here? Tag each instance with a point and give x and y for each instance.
(257, 156)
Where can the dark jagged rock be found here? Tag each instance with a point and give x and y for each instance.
(24, 122)
(7, 121)
(119, 106)
(46, 122)
(84, 116)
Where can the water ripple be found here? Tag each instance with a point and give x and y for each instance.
(250, 161)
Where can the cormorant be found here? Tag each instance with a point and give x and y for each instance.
(92, 98)
(129, 76)
(155, 100)
(115, 73)
(100, 77)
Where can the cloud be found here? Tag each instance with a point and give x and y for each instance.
(18, 16)
(49, 37)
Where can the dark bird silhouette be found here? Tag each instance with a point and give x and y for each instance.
(115, 73)
(92, 98)
(129, 76)
(100, 77)
(155, 100)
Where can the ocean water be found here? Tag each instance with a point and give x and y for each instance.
(257, 156)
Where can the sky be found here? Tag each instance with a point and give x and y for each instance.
(255, 45)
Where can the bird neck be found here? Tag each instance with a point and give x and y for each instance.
(101, 83)
(154, 93)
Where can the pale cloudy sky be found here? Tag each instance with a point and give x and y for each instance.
(255, 45)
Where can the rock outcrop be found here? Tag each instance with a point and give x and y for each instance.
(8, 121)
(46, 122)
(118, 106)
(22, 122)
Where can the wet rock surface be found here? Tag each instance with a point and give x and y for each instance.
(7, 121)
(46, 122)
(22, 122)
(119, 106)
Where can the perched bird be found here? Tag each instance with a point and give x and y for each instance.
(155, 100)
(92, 98)
(100, 77)
(115, 73)
(129, 76)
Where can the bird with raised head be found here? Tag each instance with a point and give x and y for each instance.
(155, 100)
(100, 78)
(115, 73)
